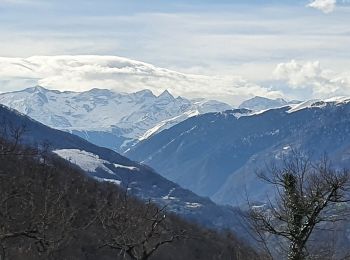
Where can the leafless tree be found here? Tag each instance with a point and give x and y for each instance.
(52, 217)
(10, 137)
(307, 196)
(142, 232)
(38, 212)
(12, 204)
(31, 207)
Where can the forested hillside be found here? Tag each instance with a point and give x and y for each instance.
(49, 209)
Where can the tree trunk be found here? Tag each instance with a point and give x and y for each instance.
(296, 252)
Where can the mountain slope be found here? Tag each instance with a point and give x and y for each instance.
(104, 117)
(54, 211)
(106, 165)
(217, 154)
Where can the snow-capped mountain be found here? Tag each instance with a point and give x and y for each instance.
(217, 154)
(105, 165)
(261, 103)
(107, 118)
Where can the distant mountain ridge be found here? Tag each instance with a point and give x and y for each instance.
(107, 118)
(262, 103)
(217, 154)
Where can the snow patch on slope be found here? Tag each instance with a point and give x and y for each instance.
(168, 196)
(117, 182)
(131, 168)
(88, 162)
(193, 205)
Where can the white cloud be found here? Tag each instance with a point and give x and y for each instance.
(326, 6)
(80, 73)
(294, 80)
(310, 75)
(210, 42)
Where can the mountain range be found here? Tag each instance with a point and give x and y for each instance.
(105, 165)
(190, 149)
(108, 118)
(217, 154)
(214, 154)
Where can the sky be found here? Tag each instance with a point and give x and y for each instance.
(223, 49)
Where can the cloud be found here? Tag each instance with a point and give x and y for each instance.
(311, 76)
(293, 80)
(213, 39)
(326, 6)
(80, 73)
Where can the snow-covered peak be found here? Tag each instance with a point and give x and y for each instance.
(145, 93)
(129, 116)
(261, 103)
(319, 103)
(36, 89)
(98, 91)
(166, 95)
(207, 106)
(339, 100)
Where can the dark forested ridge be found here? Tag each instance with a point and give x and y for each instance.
(49, 209)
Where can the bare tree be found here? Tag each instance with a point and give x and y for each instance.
(52, 217)
(36, 211)
(11, 141)
(10, 137)
(307, 196)
(12, 205)
(136, 232)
